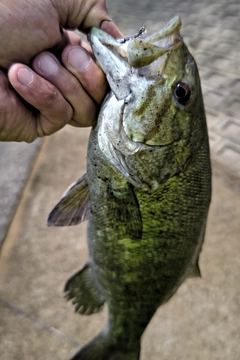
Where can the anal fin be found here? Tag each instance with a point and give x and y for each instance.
(83, 291)
(195, 271)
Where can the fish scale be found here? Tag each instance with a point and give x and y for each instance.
(147, 189)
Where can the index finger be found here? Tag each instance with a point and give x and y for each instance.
(98, 17)
(109, 27)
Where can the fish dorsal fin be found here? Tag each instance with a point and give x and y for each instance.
(73, 208)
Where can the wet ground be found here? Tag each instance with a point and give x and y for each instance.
(202, 321)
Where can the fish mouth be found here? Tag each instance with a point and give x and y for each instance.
(170, 30)
(139, 50)
(147, 57)
(143, 51)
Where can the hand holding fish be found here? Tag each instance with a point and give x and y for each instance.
(50, 68)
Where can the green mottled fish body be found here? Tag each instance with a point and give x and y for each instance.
(147, 189)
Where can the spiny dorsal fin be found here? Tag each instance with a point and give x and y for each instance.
(74, 207)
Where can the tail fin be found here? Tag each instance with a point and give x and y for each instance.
(98, 349)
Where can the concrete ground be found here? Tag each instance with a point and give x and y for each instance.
(202, 321)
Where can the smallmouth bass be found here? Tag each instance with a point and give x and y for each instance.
(147, 189)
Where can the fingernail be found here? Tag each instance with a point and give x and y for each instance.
(25, 76)
(47, 64)
(79, 59)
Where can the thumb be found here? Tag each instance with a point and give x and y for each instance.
(84, 14)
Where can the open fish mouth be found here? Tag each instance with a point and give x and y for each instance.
(172, 29)
(141, 51)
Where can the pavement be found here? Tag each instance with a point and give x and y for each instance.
(202, 321)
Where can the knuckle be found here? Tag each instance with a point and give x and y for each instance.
(73, 87)
(7, 103)
(4, 98)
(86, 117)
(49, 95)
(3, 105)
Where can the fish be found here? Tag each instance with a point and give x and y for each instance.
(147, 189)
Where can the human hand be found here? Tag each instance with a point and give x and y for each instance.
(61, 95)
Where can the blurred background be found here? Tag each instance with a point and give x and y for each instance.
(202, 321)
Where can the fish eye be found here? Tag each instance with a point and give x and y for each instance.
(182, 93)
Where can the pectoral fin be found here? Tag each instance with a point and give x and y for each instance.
(73, 208)
(82, 288)
(124, 207)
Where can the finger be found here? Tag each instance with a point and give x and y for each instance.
(92, 78)
(64, 40)
(54, 110)
(98, 16)
(74, 15)
(68, 37)
(72, 38)
(84, 108)
(15, 117)
(110, 28)
(75, 39)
